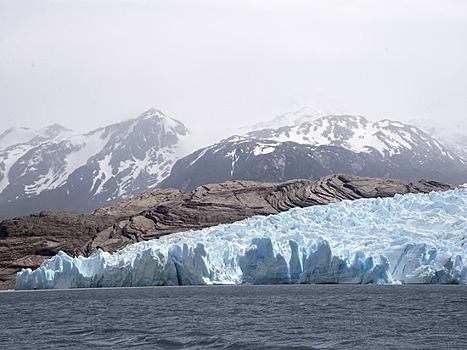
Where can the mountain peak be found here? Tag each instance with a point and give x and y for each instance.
(56, 126)
(54, 130)
(310, 112)
(294, 118)
(82, 171)
(151, 113)
(167, 124)
(321, 146)
(16, 135)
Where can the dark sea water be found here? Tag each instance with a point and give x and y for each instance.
(237, 317)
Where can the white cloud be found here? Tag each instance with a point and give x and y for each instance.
(220, 62)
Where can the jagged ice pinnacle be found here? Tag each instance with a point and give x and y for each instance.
(410, 238)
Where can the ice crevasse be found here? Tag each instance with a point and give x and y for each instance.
(419, 238)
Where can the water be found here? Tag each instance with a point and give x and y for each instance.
(237, 317)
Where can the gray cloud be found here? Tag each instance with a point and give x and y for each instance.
(88, 63)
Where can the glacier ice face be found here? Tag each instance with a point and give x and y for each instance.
(418, 238)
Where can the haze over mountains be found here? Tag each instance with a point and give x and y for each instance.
(54, 169)
(302, 145)
(452, 135)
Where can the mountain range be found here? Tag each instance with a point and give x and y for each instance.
(56, 169)
(53, 169)
(450, 134)
(313, 147)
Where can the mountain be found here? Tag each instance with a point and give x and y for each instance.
(443, 118)
(24, 136)
(55, 169)
(52, 169)
(450, 133)
(295, 117)
(15, 144)
(26, 242)
(318, 147)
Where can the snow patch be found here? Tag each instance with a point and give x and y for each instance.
(263, 149)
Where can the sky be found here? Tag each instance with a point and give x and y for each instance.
(218, 64)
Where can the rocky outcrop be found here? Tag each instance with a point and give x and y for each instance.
(27, 241)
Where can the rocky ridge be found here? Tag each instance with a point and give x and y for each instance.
(27, 241)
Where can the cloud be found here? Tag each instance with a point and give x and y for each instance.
(205, 62)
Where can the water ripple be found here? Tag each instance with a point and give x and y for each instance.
(237, 317)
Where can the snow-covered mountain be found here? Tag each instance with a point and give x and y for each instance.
(296, 117)
(451, 134)
(15, 143)
(55, 169)
(318, 147)
(412, 238)
(27, 136)
(52, 169)
(356, 134)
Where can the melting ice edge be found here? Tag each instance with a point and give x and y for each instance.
(419, 238)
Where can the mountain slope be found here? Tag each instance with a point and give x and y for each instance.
(450, 134)
(82, 172)
(15, 143)
(325, 145)
(296, 117)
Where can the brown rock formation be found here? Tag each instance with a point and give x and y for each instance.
(27, 241)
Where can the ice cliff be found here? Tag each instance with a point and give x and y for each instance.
(419, 238)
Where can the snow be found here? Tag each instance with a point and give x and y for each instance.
(296, 117)
(15, 143)
(394, 141)
(17, 135)
(202, 153)
(354, 133)
(8, 158)
(450, 133)
(234, 158)
(151, 165)
(263, 149)
(156, 162)
(84, 147)
(105, 171)
(405, 239)
(20, 135)
(66, 152)
(42, 183)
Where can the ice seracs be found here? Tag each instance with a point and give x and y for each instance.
(405, 239)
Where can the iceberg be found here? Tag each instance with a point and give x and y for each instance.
(413, 238)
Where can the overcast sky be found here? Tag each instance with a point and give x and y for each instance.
(85, 64)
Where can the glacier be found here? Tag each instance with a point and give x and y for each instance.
(414, 238)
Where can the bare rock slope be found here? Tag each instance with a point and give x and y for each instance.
(27, 241)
